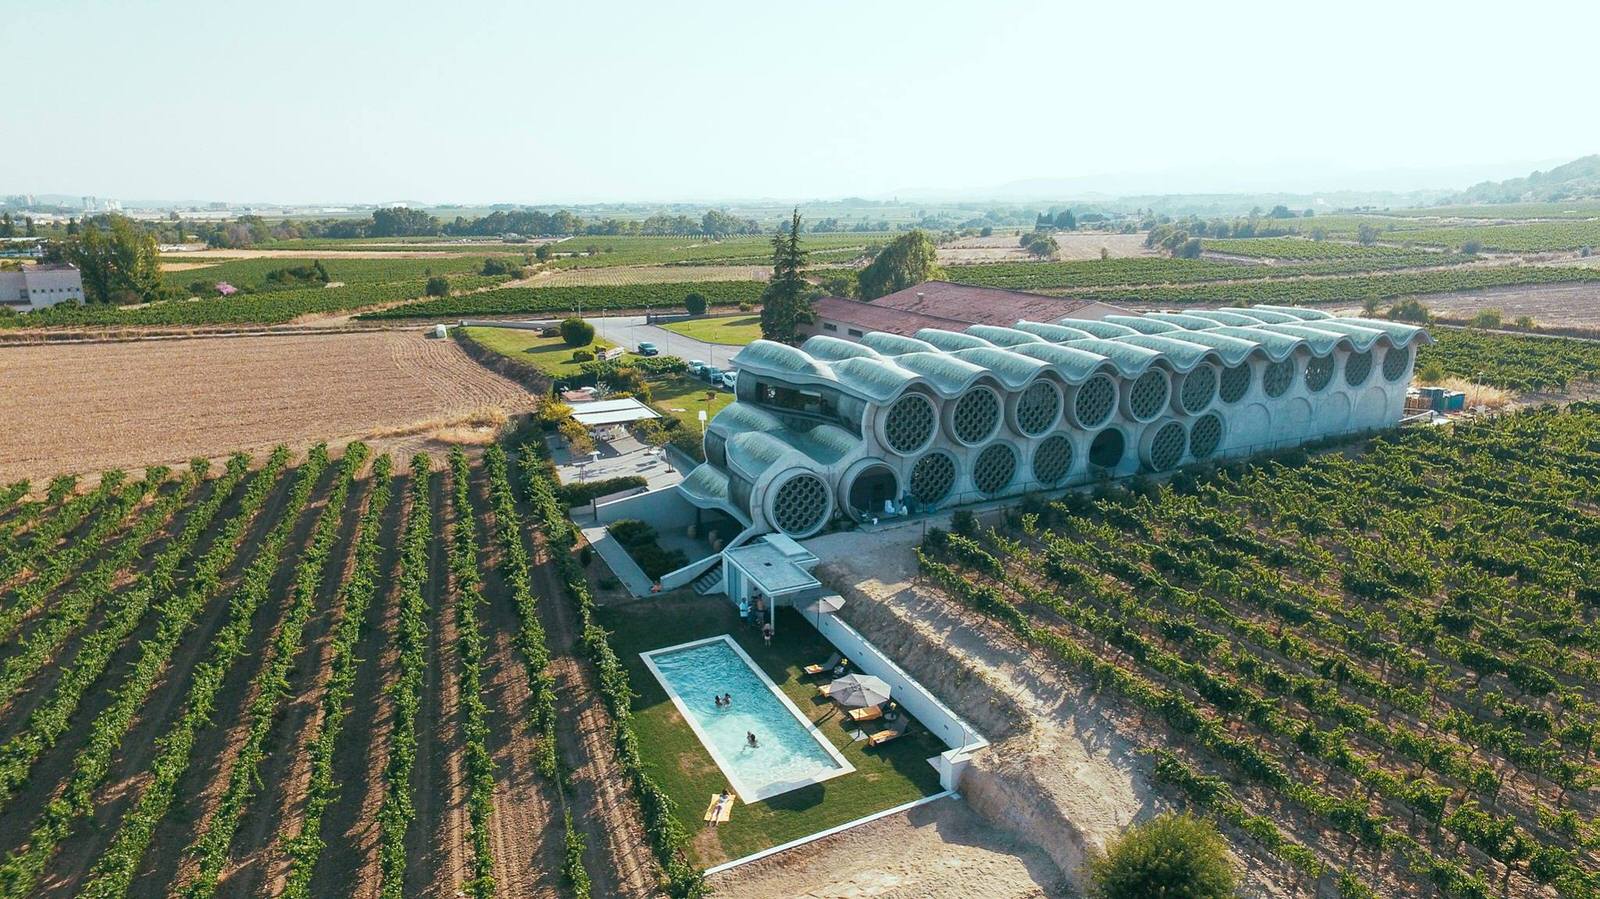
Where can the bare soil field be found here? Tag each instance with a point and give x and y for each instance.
(218, 255)
(1550, 305)
(91, 407)
(1074, 245)
(644, 274)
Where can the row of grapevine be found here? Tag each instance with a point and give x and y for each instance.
(668, 839)
(470, 647)
(1298, 249)
(588, 299)
(535, 651)
(27, 511)
(270, 688)
(1105, 274)
(91, 589)
(1388, 286)
(21, 870)
(355, 598)
(12, 494)
(411, 640)
(1512, 361)
(260, 308)
(45, 537)
(52, 569)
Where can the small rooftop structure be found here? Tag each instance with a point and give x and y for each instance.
(613, 412)
(774, 566)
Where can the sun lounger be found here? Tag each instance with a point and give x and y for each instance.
(870, 713)
(721, 808)
(894, 730)
(825, 666)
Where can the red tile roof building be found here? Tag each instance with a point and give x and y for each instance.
(951, 307)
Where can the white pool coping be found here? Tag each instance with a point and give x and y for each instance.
(747, 794)
(824, 834)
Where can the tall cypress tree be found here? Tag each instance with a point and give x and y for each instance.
(786, 303)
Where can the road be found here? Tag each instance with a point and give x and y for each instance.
(629, 330)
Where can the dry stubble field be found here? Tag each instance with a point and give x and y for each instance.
(92, 407)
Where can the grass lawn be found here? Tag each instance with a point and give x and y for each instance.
(689, 394)
(551, 354)
(736, 330)
(886, 776)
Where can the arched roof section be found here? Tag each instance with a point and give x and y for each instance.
(1278, 347)
(778, 357)
(950, 341)
(1074, 365)
(707, 487)
(1323, 342)
(1300, 312)
(894, 344)
(1142, 324)
(833, 349)
(1261, 314)
(873, 378)
(1361, 337)
(1400, 333)
(1005, 337)
(1179, 353)
(1231, 349)
(946, 374)
(752, 452)
(1097, 328)
(1011, 369)
(1222, 317)
(1052, 333)
(1183, 320)
(1129, 359)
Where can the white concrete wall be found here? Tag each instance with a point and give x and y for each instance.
(962, 738)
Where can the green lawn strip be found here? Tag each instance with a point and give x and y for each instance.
(733, 330)
(550, 354)
(683, 396)
(885, 776)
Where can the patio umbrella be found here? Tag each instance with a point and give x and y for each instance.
(859, 691)
(824, 605)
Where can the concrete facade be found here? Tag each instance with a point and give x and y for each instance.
(40, 287)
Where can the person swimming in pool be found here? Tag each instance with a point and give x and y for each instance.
(750, 738)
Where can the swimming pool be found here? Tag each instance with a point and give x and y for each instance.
(789, 754)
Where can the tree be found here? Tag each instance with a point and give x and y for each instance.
(1189, 249)
(1041, 244)
(543, 252)
(786, 301)
(1366, 235)
(8, 228)
(1066, 221)
(1472, 247)
(1487, 318)
(695, 302)
(1173, 856)
(577, 332)
(118, 263)
(27, 223)
(909, 259)
(1280, 211)
(438, 286)
(402, 222)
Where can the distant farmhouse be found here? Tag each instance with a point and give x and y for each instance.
(40, 287)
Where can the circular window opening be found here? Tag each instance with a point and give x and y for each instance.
(1395, 362)
(1052, 460)
(1357, 366)
(1095, 401)
(995, 468)
(976, 416)
(1275, 380)
(873, 492)
(932, 477)
(1235, 383)
(1166, 447)
(801, 505)
(1199, 386)
(909, 425)
(1148, 395)
(1205, 436)
(1037, 408)
(1106, 450)
(1319, 371)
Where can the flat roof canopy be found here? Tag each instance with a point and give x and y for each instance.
(772, 571)
(612, 412)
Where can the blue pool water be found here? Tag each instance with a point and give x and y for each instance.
(789, 753)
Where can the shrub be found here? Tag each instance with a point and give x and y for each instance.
(438, 286)
(577, 332)
(1487, 318)
(964, 522)
(1177, 856)
(1409, 310)
(745, 306)
(579, 493)
(1472, 247)
(695, 302)
(582, 355)
(632, 532)
(493, 267)
(577, 437)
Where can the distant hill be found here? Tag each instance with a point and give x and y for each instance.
(1578, 178)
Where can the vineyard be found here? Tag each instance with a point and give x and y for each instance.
(1378, 667)
(1354, 288)
(351, 272)
(1303, 250)
(589, 252)
(1536, 237)
(1513, 362)
(1097, 274)
(319, 677)
(588, 299)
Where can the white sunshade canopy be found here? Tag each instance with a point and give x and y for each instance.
(859, 690)
(612, 412)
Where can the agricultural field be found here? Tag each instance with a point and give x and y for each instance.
(1537, 237)
(1514, 362)
(556, 301)
(89, 407)
(1074, 245)
(1300, 250)
(1098, 274)
(1375, 666)
(1573, 307)
(1353, 288)
(312, 675)
(604, 251)
(623, 275)
(251, 272)
(1565, 209)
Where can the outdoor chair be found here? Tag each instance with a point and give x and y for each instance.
(825, 667)
(893, 731)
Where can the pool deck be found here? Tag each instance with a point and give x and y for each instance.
(747, 793)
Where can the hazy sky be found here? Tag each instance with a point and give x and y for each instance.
(475, 102)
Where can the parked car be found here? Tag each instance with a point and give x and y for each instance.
(711, 374)
(696, 367)
(730, 379)
(648, 349)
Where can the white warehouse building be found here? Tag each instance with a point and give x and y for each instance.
(40, 286)
(887, 424)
